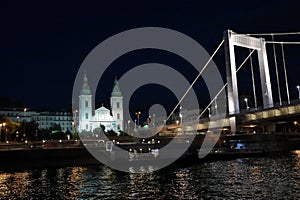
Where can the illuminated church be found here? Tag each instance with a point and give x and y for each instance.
(111, 119)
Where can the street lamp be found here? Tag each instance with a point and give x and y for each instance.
(25, 109)
(17, 135)
(75, 124)
(149, 120)
(5, 132)
(128, 126)
(24, 134)
(209, 115)
(180, 115)
(177, 122)
(153, 120)
(298, 88)
(216, 106)
(138, 117)
(246, 101)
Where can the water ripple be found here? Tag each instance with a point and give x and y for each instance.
(276, 177)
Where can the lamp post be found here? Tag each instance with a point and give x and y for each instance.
(216, 106)
(177, 125)
(5, 132)
(25, 109)
(298, 88)
(73, 126)
(209, 115)
(153, 120)
(75, 123)
(17, 135)
(246, 101)
(128, 126)
(135, 124)
(138, 117)
(149, 120)
(24, 134)
(180, 114)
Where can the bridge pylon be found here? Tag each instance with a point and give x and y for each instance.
(233, 39)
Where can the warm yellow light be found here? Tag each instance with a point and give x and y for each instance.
(250, 126)
(295, 122)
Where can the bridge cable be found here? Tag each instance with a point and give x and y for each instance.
(262, 34)
(276, 70)
(192, 84)
(285, 74)
(204, 110)
(224, 86)
(245, 60)
(281, 42)
(253, 81)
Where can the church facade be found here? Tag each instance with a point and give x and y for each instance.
(89, 120)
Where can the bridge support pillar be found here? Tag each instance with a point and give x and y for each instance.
(231, 40)
(232, 122)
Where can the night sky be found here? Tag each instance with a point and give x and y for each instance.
(43, 43)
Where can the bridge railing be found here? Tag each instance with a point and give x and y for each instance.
(272, 113)
(284, 104)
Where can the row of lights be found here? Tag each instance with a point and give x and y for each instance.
(246, 100)
(137, 122)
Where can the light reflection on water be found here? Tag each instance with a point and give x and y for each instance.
(276, 177)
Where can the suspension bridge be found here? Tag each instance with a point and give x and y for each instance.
(270, 116)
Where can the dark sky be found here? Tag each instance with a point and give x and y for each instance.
(43, 43)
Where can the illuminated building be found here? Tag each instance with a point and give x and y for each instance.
(89, 119)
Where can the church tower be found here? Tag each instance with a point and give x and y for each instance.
(85, 106)
(116, 103)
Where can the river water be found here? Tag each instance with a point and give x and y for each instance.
(273, 177)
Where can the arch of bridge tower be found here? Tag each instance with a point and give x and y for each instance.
(233, 39)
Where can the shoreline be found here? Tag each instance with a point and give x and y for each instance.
(73, 153)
